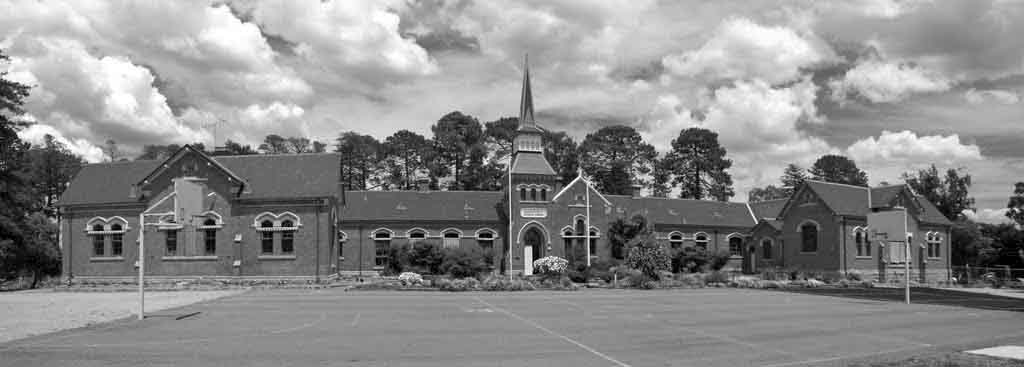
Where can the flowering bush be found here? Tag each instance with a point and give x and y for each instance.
(410, 278)
(550, 266)
(649, 258)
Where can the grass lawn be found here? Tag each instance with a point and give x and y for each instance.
(698, 327)
(945, 360)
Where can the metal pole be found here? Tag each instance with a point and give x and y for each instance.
(906, 273)
(586, 184)
(142, 267)
(509, 240)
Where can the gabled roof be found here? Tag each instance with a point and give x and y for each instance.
(768, 208)
(531, 163)
(182, 152)
(775, 225)
(422, 206)
(269, 176)
(683, 211)
(883, 196)
(842, 199)
(886, 195)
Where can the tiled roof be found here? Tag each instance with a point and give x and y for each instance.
(532, 163)
(842, 199)
(269, 176)
(683, 211)
(883, 196)
(423, 206)
(768, 208)
(774, 224)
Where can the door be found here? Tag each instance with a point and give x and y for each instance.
(751, 260)
(527, 260)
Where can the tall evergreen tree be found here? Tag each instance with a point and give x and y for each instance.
(456, 136)
(404, 153)
(770, 192)
(792, 177)
(561, 152)
(360, 161)
(661, 178)
(1015, 206)
(52, 168)
(699, 165)
(838, 169)
(616, 156)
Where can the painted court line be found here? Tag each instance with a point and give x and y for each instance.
(849, 356)
(548, 331)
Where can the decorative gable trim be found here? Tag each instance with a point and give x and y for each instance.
(182, 152)
(585, 182)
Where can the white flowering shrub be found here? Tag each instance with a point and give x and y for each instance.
(550, 266)
(410, 278)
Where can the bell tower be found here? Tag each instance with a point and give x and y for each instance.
(532, 186)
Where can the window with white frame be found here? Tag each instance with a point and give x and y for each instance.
(209, 229)
(288, 237)
(381, 245)
(485, 239)
(277, 233)
(735, 246)
(860, 238)
(934, 243)
(171, 242)
(98, 243)
(808, 237)
(116, 239)
(701, 241)
(675, 241)
(451, 239)
(267, 238)
(593, 242)
(107, 236)
(417, 235)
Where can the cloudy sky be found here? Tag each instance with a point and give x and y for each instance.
(895, 85)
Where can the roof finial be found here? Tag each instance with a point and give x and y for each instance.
(526, 103)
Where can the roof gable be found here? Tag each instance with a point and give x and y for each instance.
(190, 162)
(579, 180)
(531, 163)
(769, 209)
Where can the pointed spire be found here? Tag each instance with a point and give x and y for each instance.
(526, 103)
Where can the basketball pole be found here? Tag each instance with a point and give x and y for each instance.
(142, 266)
(906, 268)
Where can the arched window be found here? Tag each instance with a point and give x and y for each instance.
(863, 245)
(381, 244)
(116, 240)
(544, 194)
(522, 194)
(417, 235)
(287, 237)
(267, 238)
(702, 241)
(209, 237)
(451, 239)
(533, 194)
(593, 243)
(570, 254)
(766, 249)
(98, 246)
(675, 240)
(809, 237)
(735, 246)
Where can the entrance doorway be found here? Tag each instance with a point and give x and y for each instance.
(533, 248)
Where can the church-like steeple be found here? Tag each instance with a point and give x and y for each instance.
(526, 102)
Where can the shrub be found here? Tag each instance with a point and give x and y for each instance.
(649, 284)
(867, 284)
(718, 260)
(424, 257)
(650, 258)
(501, 283)
(459, 285)
(689, 262)
(814, 283)
(562, 283)
(854, 275)
(550, 266)
(601, 269)
(716, 277)
(746, 282)
(830, 277)
(410, 278)
(461, 263)
(694, 280)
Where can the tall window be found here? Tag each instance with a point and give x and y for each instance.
(544, 194)
(702, 242)
(209, 237)
(522, 194)
(287, 237)
(451, 239)
(567, 238)
(675, 241)
(98, 245)
(863, 246)
(735, 246)
(116, 240)
(593, 243)
(171, 242)
(267, 238)
(934, 245)
(485, 240)
(382, 243)
(533, 194)
(766, 249)
(809, 237)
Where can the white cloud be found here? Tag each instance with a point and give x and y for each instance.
(345, 35)
(36, 133)
(974, 96)
(885, 82)
(742, 49)
(94, 98)
(988, 215)
(906, 146)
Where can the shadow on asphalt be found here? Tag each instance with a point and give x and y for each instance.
(920, 295)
